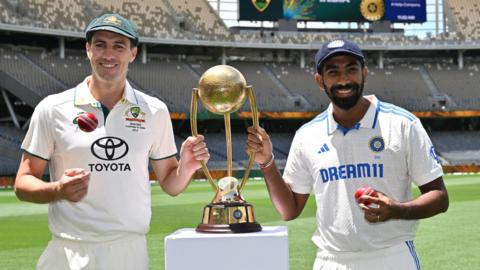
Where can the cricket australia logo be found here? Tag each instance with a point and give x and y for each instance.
(134, 114)
(112, 20)
(135, 118)
(261, 5)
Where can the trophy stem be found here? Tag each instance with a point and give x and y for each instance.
(193, 124)
(228, 137)
(253, 106)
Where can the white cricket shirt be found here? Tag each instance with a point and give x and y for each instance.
(388, 150)
(117, 153)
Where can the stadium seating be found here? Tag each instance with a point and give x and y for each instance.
(280, 84)
(267, 92)
(151, 17)
(278, 87)
(161, 19)
(11, 137)
(199, 18)
(460, 85)
(156, 77)
(466, 18)
(61, 69)
(390, 85)
(8, 167)
(67, 15)
(182, 19)
(17, 64)
(10, 141)
(457, 147)
(301, 82)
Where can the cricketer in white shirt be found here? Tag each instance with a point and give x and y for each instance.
(388, 150)
(116, 153)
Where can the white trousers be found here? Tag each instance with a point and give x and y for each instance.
(126, 253)
(399, 257)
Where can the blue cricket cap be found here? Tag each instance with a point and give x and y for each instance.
(337, 47)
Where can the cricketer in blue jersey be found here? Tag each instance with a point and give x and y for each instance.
(359, 140)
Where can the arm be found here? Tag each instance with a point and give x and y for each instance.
(175, 176)
(432, 201)
(288, 203)
(72, 186)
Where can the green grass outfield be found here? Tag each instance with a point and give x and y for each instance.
(447, 241)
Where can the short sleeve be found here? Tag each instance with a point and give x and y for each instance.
(424, 164)
(39, 140)
(296, 173)
(164, 142)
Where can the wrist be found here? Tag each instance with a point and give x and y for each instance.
(57, 191)
(400, 211)
(184, 169)
(268, 163)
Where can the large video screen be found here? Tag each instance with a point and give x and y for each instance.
(333, 10)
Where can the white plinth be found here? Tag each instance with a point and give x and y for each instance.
(187, 249)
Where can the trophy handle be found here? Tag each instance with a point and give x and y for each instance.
(253, 106)
(228, 139)
(193, 124)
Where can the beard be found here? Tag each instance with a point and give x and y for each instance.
(348, 102)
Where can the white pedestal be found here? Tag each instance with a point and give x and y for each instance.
(187, 249)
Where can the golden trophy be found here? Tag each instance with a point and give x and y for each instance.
(223, 90)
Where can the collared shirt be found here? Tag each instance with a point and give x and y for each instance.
(387, 150)
(117, 152)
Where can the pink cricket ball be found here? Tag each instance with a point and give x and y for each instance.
(87, 122)
(365, 190)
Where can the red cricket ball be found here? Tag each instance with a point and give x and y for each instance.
(87, 122)
(365, 190)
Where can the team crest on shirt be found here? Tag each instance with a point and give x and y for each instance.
(134, 118)
(377, 144)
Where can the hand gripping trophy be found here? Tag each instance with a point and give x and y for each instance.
(223, 90)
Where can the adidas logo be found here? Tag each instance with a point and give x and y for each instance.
(324, 149)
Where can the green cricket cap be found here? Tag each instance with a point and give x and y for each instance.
(113, 23)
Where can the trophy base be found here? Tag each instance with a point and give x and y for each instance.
(229, 228)
(228, 217)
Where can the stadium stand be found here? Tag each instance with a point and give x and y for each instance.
(280, 83)
(277, 86)
(161, 19)
(11, 138)
(17, 64)
(61, 69)
(465, 16)
(460, 84)
(10, 141)
(200, 18)
(156, 77)
(415, 95)
(266, 88)
(457, 147)
(301, 82)
(68, 15)
(8, 167)
(151, 17)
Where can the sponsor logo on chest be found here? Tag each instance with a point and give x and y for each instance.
(110, 150)
(354, 169)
